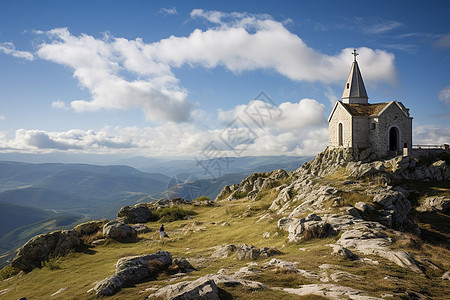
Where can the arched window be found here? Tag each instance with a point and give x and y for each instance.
(340, 135)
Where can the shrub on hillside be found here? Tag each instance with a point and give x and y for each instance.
(7, 272)
(170, 214)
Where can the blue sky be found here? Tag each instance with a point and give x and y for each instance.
(172, 78)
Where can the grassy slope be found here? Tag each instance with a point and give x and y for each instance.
(78, 271)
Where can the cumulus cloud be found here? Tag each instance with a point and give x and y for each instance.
(124, 74)
(97, 64)
(286, 116)
(444, 95)
(256, 128)
(9, 48)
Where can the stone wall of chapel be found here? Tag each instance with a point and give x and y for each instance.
(393, 116)
(340, 115)
(360, 132)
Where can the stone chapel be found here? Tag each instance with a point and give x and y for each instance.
(385, 128)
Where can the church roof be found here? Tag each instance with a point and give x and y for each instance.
(354, 89)
(368, 110)
(365, 110)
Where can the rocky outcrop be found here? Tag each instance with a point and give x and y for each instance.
(133, 269)
(89, 228)
(203, 288)
(140, 213)
(368, 238)
(400, 167)
(141, 228)
(252, 185)
(245, 251)
(435, 204)
(311, 226)
(330, 291)
(224, 251)
(170, 202)
(119, 231)
(331, 160)
(251, 252)
(183, 265)
(45, 246)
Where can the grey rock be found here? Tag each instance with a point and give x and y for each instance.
(446, 276)
(224, 251)
(435, 204)
(45, 246)
(119, 231)
(133, 269)
(203, 288)
(362, 206)
(331, 291)
(141, 228)
(251, 252)
(183, 265)
(89, 228)
(140, 213)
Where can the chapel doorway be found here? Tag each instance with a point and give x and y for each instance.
(393, 139)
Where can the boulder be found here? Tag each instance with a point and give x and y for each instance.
(224, 251)
(141, 228)
(140, 213)
(309, 227)
(331, 291)
(119, 231)
(133, 269)
(89, 228)
(396, 207)
(435, 204)
(204, 288)
(45, 246)
(251, 252)
(183, 265)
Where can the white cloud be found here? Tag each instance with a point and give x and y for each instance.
(431, 135)
(293, 129)
(444, 95)
(9, 48)
(286, 116)
(169, 11)
(123, 74)
(382, 26)
(97, 64)
(58, 104)
(2, 118)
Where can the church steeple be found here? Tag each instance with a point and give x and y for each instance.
(354, 90)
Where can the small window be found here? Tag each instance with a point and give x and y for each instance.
(348, 85)
(373, 126)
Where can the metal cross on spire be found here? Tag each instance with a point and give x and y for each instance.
(355, 54)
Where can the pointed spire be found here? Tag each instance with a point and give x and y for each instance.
(354, 90)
